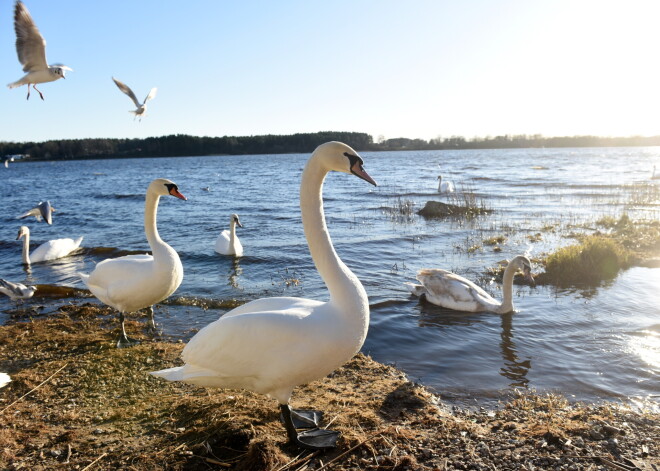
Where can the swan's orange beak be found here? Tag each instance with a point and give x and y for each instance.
(175, 192)
(528, 276)
(359, 171)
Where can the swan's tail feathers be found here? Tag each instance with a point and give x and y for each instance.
(84, 277)
(414, 289)
(187, 373)
(78, 241)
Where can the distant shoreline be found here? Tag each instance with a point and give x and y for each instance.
(182, 145)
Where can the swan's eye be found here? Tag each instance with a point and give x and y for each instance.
(353, 159)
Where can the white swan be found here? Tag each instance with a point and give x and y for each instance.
(135, 282)
(446, 186)
(227, 242)
(451, 291)
(272, 345)
(4, 380)
(51, 250)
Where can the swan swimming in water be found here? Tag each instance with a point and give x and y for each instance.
(227, 242)
(135, 282)
(446, 289)
(272, 345)
(51, 250)
(446, 186)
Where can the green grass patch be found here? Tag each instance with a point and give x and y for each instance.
(593, 260)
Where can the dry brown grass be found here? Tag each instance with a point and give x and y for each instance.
(77, 401)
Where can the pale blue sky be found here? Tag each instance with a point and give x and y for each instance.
(391, 68)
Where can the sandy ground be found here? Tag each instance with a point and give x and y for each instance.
(77, 402)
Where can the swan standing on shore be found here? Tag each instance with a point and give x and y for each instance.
(51, 250)
(446, 289)
(272, 345)
(227, 242)
(141, 108)
(31, 50)
(446, 186)
(136, 282)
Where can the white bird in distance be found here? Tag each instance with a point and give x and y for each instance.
(141, 107)
(31, 49)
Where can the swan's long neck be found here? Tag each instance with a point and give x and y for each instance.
(232, 234)
(507, 289)
(344, 287)
(26, 248)
(150, 229)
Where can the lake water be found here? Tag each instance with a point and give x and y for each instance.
(587, 343)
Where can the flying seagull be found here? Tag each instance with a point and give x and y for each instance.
(42, 210)
(16, 291)
(141, 107)
(31, 49)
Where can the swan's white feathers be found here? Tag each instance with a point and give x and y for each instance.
(4, 380)
(452, 291)
(130, 283)
(54, 249)
(222, 354)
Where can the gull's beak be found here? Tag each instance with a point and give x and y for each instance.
(175, 192)
(359, 171)
(527, 272)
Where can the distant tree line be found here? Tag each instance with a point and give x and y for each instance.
(184, 145)
(515, 142)
(180, 145)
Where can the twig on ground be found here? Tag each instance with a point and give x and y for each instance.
(34, 389)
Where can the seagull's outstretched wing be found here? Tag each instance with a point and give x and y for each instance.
(125, 88)
(30, 44)
(42, 210)
(152, 94)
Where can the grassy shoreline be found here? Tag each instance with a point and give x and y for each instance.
(76, 402)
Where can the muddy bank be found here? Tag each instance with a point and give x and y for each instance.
(76, 402)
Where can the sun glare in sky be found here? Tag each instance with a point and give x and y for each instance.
(417, 69)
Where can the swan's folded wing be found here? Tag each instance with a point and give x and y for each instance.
(231, 345)
(453, 291)
(54, 249)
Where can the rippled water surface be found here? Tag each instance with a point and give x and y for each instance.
(589, 343)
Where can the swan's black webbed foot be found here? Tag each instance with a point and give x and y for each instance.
(305, 418)
(151, 323)
(317, 439)
(126, 341)
(313, 439)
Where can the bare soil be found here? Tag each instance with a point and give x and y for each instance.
(77, 402)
